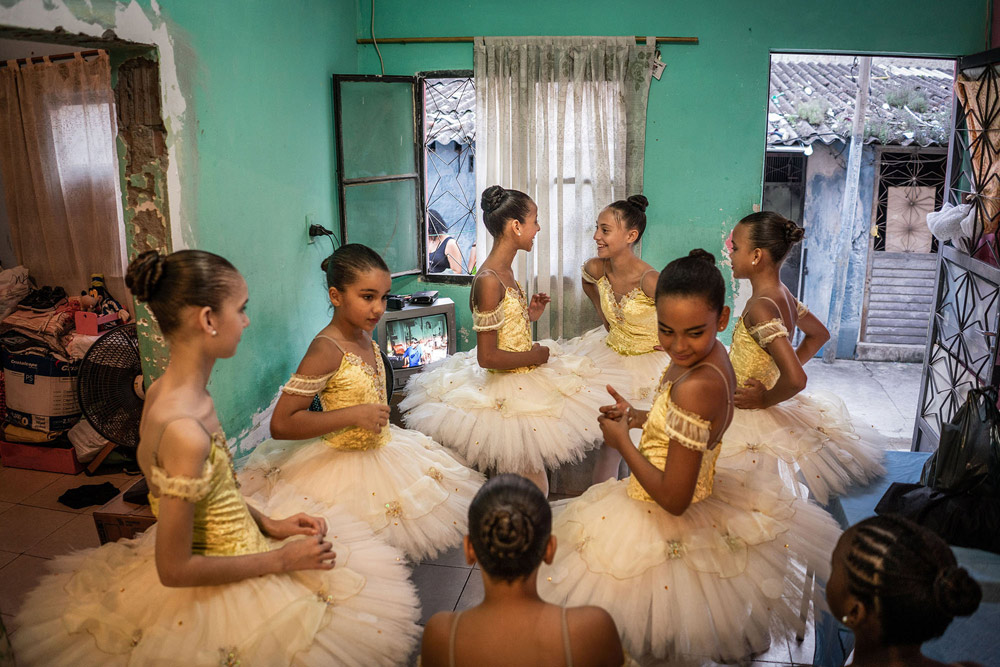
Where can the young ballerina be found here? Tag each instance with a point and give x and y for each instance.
(409, 489)
(897, 585)
(510, 405)
(776, 423)
(509, 536)
(621, 287)
(688, 559)
(215, 581)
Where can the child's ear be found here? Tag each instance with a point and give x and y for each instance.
(205, 319)
(724, 318)
(335, 296)
(550, 550)
(632, 236)
(470, 553)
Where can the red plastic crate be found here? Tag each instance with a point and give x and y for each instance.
(38, 457)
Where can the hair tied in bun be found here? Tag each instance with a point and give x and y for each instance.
(699, 253)
(491, 199)
(639, 201)
(144, 273)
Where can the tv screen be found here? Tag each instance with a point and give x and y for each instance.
(416, 341)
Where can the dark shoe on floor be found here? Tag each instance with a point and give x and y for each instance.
(28, 302)
(54, 296)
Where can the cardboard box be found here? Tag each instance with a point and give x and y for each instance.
(40, 391)
(119, 520)
(40, 457)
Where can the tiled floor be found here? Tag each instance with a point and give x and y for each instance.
(35, 527)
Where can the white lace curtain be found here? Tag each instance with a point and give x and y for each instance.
(60, 172)
(562, 119)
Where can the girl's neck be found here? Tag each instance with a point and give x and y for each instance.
(347, 330)
(620, 262)
(189, 364)
(766, 280)
(499, 592)
(503, 253)
(868, 654)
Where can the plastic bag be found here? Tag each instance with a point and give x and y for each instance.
(968, 457)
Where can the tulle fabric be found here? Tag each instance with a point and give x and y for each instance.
(512, 421)
(410, 491)
(106, 606)
(716, 581)
(644, 370)
(810, 437)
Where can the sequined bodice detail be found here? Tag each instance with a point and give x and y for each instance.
(749, 359)
(631, 320)
(666, 422)
(511, 322)
(222, 524)
(355, 382)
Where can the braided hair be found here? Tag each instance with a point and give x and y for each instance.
(909, 577)
(168, 283)
(772, 232)
(509, 526)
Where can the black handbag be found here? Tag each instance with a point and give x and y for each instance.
(968, 457)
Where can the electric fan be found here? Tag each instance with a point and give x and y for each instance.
(110, 389)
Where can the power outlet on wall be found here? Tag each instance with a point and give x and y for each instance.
(310, 235)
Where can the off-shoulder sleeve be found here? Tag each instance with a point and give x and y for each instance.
(587, 278)
(190, 489)
(765, 332)
(488, 321)
(305, 385)
(801, 309)
(686, 428)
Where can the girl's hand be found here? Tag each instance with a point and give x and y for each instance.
(621, 408)
(370, 416)
(537, 305)
(750, 396)
(311, 553)
(615, 432)
(541, 352)
(299, 524)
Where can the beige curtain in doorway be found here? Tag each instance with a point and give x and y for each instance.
(564, 120)
(60, 172)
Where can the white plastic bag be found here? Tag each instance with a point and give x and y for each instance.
(86, 441)
(14, 287)
(952, 223)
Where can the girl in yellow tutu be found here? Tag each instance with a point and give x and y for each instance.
(510, 405)
(621, 287)
(687, 558)
(776, 424)
(216, 581)
(408, 488)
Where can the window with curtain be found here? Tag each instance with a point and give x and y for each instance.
(562, 119)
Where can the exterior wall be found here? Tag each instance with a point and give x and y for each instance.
(826, 170)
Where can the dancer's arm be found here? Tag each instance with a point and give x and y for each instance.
(753, 395)
(292, 419)
(182, 453)
(673, 487)
(816, 336)
(595, 268)
(489, 294)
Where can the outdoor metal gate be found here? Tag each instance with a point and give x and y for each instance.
(962, 336)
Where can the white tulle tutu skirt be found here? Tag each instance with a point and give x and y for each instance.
(411, 491)
(716, 581)
(644, 370)
(810, 437)
(512, 422)
(106, 606)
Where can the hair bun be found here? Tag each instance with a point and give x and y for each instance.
(955, 592)
(705, 255)
(492, 198)
(508, 531)
(144, 273)
(639, 201)
(325, 264)
(793, 233)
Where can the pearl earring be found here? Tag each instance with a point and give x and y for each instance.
(843, 619)
(214, 332)
(517, 232)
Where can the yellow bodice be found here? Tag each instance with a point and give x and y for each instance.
(668, 422)
(355, 382)
(747, 353)
(631, 320)
(510, 320)
(222, 524)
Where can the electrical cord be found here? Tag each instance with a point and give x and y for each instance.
(377, 50)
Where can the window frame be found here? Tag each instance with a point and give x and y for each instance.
(421, 78)
(416, 111)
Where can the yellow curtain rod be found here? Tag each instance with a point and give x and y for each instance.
(456, 40)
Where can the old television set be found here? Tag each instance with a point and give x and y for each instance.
(416, 336)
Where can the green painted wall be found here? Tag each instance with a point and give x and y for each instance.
(706, 117)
